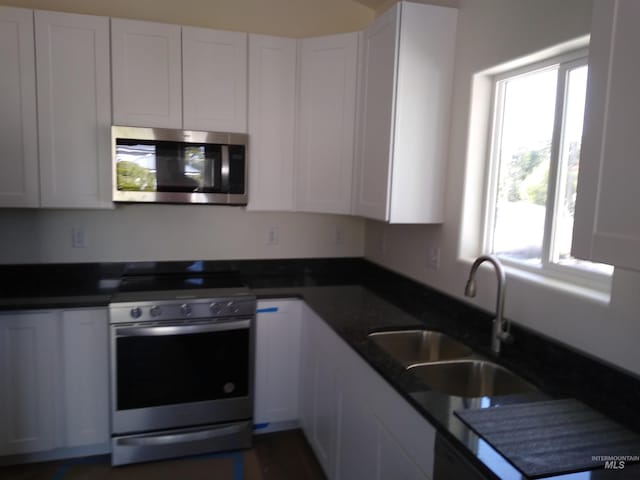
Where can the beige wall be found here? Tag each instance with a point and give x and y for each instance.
(157, 232)
(173, 232)
(492, 32)
(289, 18)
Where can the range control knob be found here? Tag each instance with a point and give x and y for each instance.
(136, 312)
(155, 311)
(185, 308)
(232, 307)
(215, 308)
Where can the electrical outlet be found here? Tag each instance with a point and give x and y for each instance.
(79, 237)
(433, 262)
(339, 236)
(272, 236)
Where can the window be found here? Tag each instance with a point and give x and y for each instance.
(535, 157)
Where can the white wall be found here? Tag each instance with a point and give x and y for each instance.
(173, 232)
(490, 33)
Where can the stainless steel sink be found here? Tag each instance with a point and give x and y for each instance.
(419, 346)
(471, 378)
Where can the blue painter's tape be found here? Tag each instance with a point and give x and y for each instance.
(267, 310)
(260, 426)
(238, 466)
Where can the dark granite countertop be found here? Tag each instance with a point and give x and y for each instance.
(356, 297)
(354, 311)
(58, 285)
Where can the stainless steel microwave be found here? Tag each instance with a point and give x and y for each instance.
(179, 166)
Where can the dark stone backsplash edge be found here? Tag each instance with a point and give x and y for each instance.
(557, 368)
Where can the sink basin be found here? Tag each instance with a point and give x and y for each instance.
(471, 378)
(419, 346)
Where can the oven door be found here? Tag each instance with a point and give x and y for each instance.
(181, 374)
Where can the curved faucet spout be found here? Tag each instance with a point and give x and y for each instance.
(501, 326)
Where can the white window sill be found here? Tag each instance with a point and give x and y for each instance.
(549, 281)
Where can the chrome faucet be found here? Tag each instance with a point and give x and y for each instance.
(501, 326)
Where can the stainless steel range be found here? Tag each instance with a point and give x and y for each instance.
(182, 355)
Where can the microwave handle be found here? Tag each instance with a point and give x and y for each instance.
(158, 331)
(225, 168)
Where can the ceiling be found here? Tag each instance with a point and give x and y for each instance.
(378, 4)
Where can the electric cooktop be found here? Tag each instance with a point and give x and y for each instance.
(150, 281)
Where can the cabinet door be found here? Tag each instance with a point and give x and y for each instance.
(18, 130)
(328, 71)
(278, 335)
(272, 87)
(357, 431)
(405, 426)
(320, 396)
(147, 73)
(214, 80)
(358, 426)
(607, 219)
(74, 114)
(426, 53)
(404, 114)
(393, 462)
(326, 408)
(85, 362)
(27, 366)
(376, 122)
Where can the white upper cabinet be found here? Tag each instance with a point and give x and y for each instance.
(169, 76)
(607, 218)
(147, 73)
(18, 130)
(214, 66)
(272, 88)
(404, 114)
(328, 74)
(74, 110)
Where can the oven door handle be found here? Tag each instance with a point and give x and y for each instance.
(173, 438)
(157, 331)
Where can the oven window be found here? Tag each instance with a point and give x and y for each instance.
(162, 166)
(164, 370)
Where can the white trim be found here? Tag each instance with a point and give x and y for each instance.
(547, 270)
(492, 172)
(537, 277)
(570, 276)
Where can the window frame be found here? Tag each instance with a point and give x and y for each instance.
(564, 63)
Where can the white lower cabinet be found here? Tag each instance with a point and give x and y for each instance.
(278, 330)
(85, 367)
(325, 398)
(27, 365)
(357, 425)
(53, 380)
(393, 461)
